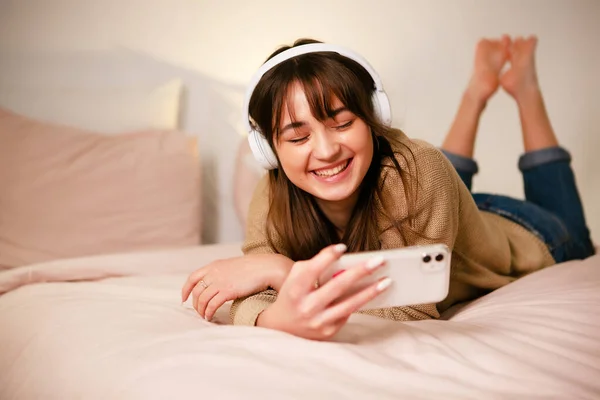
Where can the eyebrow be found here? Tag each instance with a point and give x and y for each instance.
(298, 124)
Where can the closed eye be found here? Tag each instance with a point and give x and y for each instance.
(296, 141)
(344, 126)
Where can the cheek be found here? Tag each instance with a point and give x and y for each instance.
(363, 146)
(293, 162)
(368, 148)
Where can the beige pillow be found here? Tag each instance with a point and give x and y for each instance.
(105, 109)
(66, 192)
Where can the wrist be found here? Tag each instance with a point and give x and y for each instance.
(262, 320)
(280, 272)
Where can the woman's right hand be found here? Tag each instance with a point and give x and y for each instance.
(304, 310)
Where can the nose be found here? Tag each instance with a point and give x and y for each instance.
(325, 146)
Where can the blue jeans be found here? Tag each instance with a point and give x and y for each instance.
(552, 210)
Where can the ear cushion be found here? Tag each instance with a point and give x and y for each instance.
(381, 104)
(261, 150)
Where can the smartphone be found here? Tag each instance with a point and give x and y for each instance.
(420, 275)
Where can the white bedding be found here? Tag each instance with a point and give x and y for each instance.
(120, 332)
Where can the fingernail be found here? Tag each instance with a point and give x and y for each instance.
(340, 248)
(374, 263)
(384, 284)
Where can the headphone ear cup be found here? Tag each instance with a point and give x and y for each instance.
(381, 104)
(261, 150)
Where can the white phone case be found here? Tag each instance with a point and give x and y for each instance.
(420, 275)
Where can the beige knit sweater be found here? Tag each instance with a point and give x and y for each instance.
(488, 251)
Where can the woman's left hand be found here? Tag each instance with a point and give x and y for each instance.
(228, 279)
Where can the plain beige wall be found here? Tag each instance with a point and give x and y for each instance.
(423, 51)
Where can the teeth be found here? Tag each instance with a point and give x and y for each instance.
(332, 171)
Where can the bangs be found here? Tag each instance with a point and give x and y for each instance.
(323, 80)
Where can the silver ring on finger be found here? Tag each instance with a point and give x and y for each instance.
(204, 284)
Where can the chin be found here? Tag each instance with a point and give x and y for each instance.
(334, 194)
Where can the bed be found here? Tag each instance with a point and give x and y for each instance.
(99, 228)
(113, 326)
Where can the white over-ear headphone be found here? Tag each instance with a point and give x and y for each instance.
(258, 143)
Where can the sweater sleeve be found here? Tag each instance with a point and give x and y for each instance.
(435, 213)
(245, 310)
(437, 208)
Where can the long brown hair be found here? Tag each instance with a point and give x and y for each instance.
(294, 216)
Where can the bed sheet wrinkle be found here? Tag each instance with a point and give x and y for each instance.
(563, 331)
(490, 355)
(483, 371)
(577, 331)
(541, 364)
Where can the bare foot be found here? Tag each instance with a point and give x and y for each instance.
(490, 57)
(521, 78)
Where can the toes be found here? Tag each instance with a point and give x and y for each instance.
(516, 46)
(506, 44)
(519, 42)
(483, 43)
(532, 40)
(512, 50)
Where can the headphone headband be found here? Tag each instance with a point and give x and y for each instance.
(297, 51)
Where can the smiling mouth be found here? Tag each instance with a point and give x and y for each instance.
(328, 173)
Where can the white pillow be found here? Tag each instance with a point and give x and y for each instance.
(108, 109)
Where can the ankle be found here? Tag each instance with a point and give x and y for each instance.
(473, 100)
(537, 129)
(529, 95)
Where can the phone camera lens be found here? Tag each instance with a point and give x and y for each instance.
(427, 258)
(439, 257)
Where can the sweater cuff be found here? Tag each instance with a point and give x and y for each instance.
(248, 310)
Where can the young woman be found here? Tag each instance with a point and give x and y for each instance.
(343, 180)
